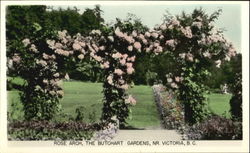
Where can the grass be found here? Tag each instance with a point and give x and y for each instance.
(89, 95)
(143, 114)
(219, 104)
(83, 94)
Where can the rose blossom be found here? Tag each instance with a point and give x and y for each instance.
(81, 56)
(117, 55)
(134, 33)
(98, 32)
(106, 65)
(130, 100)
(51, 43)
(129, 39)
(123, 62)
(197, 24)
(169, 80)
(110, 79)
(76, 46)
(45, 81)
(111, 38)
(161, 37)
(156, 44)
(26, 42)
(102, 48)
(182, 55)
(33, 48)
(130, 70)
(67, 76)
(137, 45)
(175, 21)
(56, 75)
(218, 63)
(174, 85)
(121, 81)
(155, 35)
(41, 62)
(147, 34)
(118, 71)
(62, 34)
(129, 65)
(141, 36)
(118, 32)
(71, 52)
(145, 41)
(82, 44)
(207, 54)
(125, 87)
(98, 58)
(163, 27)
(148, 50)
(177, 79)
(95, 47)
(130, 48)
(158, 49)
(170, 43)
(60, 92)
(58, 45)
(190, 57)
(132, 59)
(125, 56)
(187, 32)
(52, 92)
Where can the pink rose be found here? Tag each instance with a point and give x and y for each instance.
(76, 46)
(102, 48)
(137, 45)
(130, 70)
(118, 71)
(129, 65)
(26, 42)
(81, 56)
(130, 48)
(123, 62)
(130, 100)
(147, 34)
(218, 63)
(155, 35)
(125, 87)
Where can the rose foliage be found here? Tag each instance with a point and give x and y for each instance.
(191, 40)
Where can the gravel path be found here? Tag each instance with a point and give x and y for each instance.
(144, 135)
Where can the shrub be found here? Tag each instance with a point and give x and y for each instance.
(236, 100)
(44, 130)
(215, 128)
(80, 113)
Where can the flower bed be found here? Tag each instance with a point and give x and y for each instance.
(45, 130)
(170, 109)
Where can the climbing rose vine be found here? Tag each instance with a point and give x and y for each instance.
(191, 40)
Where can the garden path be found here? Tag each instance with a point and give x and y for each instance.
(145, 135)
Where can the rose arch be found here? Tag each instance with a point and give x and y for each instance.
(192, 41)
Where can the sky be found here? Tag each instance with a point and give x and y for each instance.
(151, 15)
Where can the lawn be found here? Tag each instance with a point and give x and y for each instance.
(143, 114)
(89, 95)
(219, 104)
